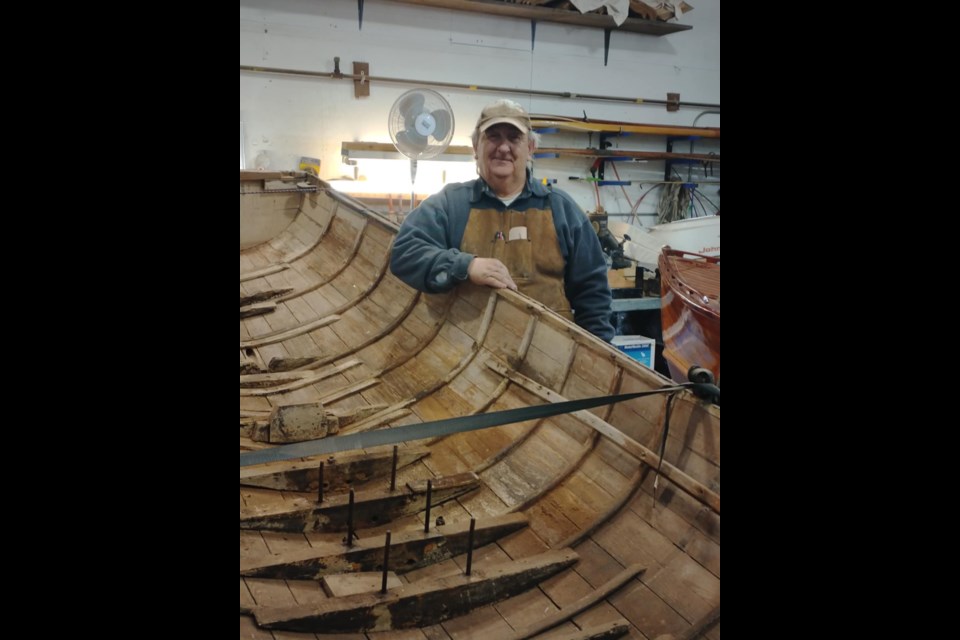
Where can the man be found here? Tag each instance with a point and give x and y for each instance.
(506, 230)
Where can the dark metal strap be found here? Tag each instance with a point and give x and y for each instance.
(439, 428)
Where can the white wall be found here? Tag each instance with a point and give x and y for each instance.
(289, 117)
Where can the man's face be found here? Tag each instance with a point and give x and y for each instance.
(503, 153)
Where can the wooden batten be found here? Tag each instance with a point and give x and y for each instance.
(409, 550)
(340, 472)
(427, 602)
(371, 508)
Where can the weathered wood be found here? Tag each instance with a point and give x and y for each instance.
(609, 631)
(354, 583)
(698, 628)
(300, 422)
(265, 384)
(280, 336)
(642, 453)
(424, 603)
(425, 357)
(262, 296)
(371, 508)
(410, 550)
(257, 309)
(569, 612)
(340, 471)
(262, 273)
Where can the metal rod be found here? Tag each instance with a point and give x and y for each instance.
(473, 526)
(350, 533)
(393, 474)
(426, 526)
(320, 489)
(474, 88)
(386, 563)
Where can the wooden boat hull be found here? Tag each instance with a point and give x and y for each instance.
(690, 312)
(638, 553)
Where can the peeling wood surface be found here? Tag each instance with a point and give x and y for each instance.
(349, 337)
(410, 550)
(370, 508)
(340, 472)
(426, 602)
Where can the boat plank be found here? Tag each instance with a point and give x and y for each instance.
(320, 210)
(680, 533)
(324, 301)
(545, 362)
(646, 611)
(687, 587)
(686, 507)
(483, 503)
(482, 624)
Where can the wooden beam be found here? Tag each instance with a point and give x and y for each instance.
(420, 604)
(339, 473)
(409, 550)
(371, 508)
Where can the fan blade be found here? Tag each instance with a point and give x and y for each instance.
(411, 106)
(410, 141)
(442, 119)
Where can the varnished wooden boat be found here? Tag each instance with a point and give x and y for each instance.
(564, 524)
(690, 311)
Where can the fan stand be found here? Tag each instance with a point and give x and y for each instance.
(413, 180)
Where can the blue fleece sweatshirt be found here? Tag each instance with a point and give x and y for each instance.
(427, 257)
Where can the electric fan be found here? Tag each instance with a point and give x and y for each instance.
(421, 127)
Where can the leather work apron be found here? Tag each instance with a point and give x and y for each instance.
(526, 242)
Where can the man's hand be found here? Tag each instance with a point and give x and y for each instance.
(491, 273)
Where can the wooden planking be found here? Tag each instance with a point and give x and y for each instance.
(424, 348)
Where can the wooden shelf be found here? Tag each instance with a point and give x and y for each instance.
(387, 150)
(548, 14)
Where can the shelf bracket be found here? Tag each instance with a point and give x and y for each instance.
(606, 45)
(673, 102)
(360, 11)
(533, 35)
(361, 82)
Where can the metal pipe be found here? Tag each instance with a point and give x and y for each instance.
(386, 563)
(393, 473)
(471, 87)
(426, 523)
(473, 527)
(320, 489)
(350, 531)
(712, 112)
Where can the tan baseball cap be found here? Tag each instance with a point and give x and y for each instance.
(504, 111)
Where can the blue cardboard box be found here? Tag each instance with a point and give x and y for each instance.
(640, 348)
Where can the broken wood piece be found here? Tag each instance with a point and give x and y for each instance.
(409, 550)
(340, 473)
(423, 603)
(257, 310)
(263, 296)
(371, 508)
(349, 584)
